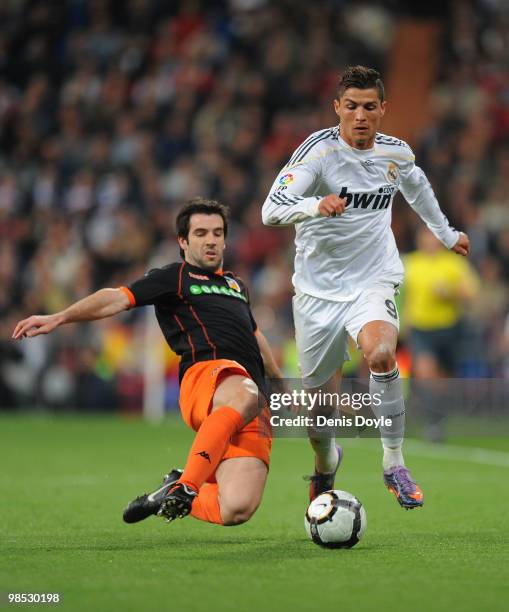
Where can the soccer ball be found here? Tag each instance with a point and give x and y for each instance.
(335, 519)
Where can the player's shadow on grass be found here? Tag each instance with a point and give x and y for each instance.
(251, 549)
(247, 553)
(214, 549)
(246, 550)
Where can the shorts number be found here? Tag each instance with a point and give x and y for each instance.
(391, 308)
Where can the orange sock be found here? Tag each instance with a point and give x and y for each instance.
(210, 445)
(206, 505)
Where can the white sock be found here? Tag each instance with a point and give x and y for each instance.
(392, 457)
(326, 455)
(392, 406)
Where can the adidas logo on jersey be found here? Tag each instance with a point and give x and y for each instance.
(378, 200)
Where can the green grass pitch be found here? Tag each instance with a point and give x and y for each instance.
(64, 482)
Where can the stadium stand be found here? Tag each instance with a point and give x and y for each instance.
(112, 114)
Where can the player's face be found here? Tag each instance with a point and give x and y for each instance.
(205, 242)
(360, 112)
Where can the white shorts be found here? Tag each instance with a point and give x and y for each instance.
(322, 328)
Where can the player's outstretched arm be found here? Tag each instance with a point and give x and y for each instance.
(278, 384)
(417, 191)
(462, 246)
(99, 305)
(271, 367)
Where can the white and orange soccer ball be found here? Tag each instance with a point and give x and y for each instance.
(335, 519)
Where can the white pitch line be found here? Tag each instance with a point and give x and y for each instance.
(472, 454)
(469, 454)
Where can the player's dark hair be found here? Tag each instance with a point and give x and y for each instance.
(361, 77)
(200, 206)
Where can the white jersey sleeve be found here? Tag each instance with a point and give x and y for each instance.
(417, 191)
(291, 198)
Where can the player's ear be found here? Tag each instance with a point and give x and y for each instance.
(336, 106)
(383, 106)
(182, 242)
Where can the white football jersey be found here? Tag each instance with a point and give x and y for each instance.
(337, 257)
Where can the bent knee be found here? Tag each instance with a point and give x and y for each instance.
(236, 515)
(381, 359)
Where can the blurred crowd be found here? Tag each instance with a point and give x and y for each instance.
(112, 114)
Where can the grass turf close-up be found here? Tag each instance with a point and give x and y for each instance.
(65, 482)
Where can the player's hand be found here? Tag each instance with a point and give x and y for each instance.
(462, 246)
(332, 206)
(36, 325)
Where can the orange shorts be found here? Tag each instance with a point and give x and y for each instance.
(196, 393)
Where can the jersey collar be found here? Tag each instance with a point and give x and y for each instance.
(204, 271)
(361, 152)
